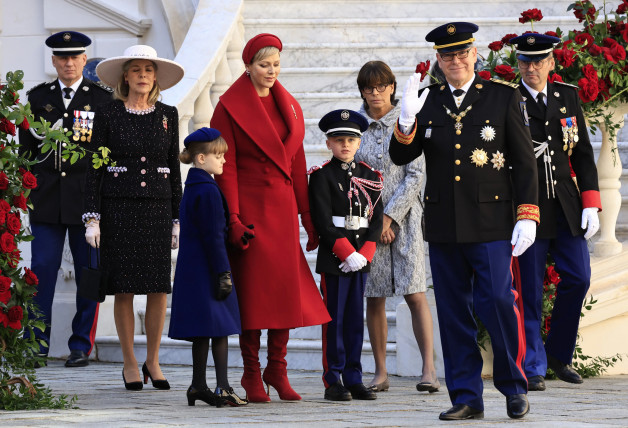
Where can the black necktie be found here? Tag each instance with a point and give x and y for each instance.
(541, 102)
(458, 92)
(68, 93)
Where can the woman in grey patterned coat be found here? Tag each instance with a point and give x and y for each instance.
(398, 266)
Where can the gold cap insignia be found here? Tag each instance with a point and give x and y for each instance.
(498, 160)
(344, 115)
(479, 157)
(67, 37)
(563, 110)
(451, 29)
(531, 40)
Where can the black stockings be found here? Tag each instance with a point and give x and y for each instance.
(200, 352)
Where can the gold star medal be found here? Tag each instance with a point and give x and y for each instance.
(498, 160)
(479, 157)
(487, 133)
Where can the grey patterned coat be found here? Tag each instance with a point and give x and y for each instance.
(398, 268)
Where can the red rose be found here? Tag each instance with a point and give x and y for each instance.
(496, 46)
(552, 275)
(423, 68)
(4, 319)
(530, 15)
(485, 74)
(19, 201)
(584, 39)
(7, 242)
(15, 315)
(4, 210)
(621, 9)
(28, 180)
(14, 259)
(590, 72)
(5, 289)
(507, 37)
(566, 57)
(30, 277)
(551, 33)
(595, 50)
(505, 72)
(4, 181)
(13, 224)
(617, 51)
(584, 10)
(24, 125)
(588, 90)
(554, 78)
(602, 87)
(7, 126)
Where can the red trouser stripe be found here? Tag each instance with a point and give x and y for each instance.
(518, 308)
(92, 331)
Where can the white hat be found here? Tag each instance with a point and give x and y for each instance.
(169, 73)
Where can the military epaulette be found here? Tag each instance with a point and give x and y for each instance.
(103, 86)
(566, 84)
(376, 171)
(504, 82)
(37, 87)
(317, 167)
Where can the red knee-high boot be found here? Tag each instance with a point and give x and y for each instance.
(276, 373)
(252, 379)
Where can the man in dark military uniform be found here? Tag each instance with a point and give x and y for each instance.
(348, 215)
(58, 198)
(568, 211)
(479, 160)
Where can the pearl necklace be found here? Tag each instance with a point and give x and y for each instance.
(140, 112)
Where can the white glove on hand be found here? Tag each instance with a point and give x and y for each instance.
(356, 261)
(411, 104)
(344, 266)
(590, 222)
(523, 236)
(175, 236)
(92, 234)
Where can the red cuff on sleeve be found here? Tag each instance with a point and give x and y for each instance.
(342, 248)
(591, 199)
(368, 250)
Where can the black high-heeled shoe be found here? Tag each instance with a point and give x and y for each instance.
(131, 386)
(229, 397)
(205, 395)
(157, 383)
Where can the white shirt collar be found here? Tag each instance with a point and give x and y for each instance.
(74, 86)
(534, 92)
(465, 87)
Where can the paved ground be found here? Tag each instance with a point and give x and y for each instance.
(103, 401)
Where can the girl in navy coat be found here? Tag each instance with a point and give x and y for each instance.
(204, 303)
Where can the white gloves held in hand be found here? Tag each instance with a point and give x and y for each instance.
(353, 263)
(411, 104)
(590, 221)
(92, 233)
(523, 236)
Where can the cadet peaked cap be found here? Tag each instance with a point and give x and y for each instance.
(453, 36)
(258, 42)
(343, 122)
(534, 46)
(202, 135)
(68, 43)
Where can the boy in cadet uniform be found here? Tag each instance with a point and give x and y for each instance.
(347, 214)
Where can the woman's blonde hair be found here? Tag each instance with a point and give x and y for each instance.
(121, 91)
(216, 147)
(264, 52)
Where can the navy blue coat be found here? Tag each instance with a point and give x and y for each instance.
(202, 257)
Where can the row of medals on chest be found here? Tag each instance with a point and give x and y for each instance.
(83, 124)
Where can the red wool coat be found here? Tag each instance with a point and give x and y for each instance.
(265, 182)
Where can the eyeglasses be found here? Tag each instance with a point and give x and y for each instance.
(380, 88)
(448, 57)
(532, 64)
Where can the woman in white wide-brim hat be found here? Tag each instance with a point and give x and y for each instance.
(132, 208)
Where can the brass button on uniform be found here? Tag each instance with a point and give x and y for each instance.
(496, 197)
(427, 197)
(457, 178)
(63, 174)
(549, 138)
(457, 146)
(65, 115)
(457, 162)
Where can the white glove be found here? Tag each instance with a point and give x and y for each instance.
(356, 261)
(411, 104)
(92, 234)
(523, 236)
(175, 235)
(344, 266)
(590, 222)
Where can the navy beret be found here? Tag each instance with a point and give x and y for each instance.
(202, 135)
(343, 122)
(534, 46)
(68, 43)
(452, 36)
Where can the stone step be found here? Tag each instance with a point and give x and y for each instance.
(302, 354)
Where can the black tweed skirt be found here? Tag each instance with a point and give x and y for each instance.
(135, 244)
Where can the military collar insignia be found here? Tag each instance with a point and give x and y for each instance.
(52, 87)
(479, 86)
(563, 110)
(86, 88)
(347, 165)
(557, 94)
(479, 157)
(488, 133)
(442, 88)
(525, 98)
(498, 160)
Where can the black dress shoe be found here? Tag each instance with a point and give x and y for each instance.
(536, 383)
(337, 392)
(359, 391)
(77, 359)
(564, 372)
(461, 412)
(517, 406)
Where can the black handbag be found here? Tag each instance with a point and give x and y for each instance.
(94, 280)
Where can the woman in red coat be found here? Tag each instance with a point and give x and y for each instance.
(265, 184)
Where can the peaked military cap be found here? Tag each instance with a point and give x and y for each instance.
(343, 122)
(68, 43)
(202, 135)
(534, 46)
(452, 36)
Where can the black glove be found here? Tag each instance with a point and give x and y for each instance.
(224, 285)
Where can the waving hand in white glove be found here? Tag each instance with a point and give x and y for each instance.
(590, 222)
(92, 233)
(411, 104)
(523, 236)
